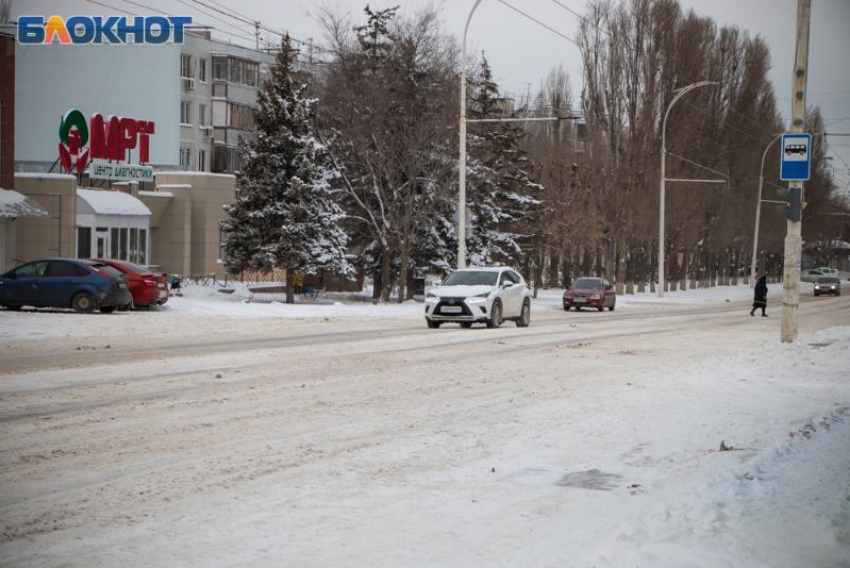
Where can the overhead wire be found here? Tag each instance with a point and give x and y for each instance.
(538, 22)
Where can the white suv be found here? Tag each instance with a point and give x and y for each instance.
(485, 295)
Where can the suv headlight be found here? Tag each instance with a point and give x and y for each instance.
(431, 297)
(478, 298)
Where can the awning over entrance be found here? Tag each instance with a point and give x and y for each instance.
(14, 204)
(108, 202)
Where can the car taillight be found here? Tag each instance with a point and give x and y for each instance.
(149, 282)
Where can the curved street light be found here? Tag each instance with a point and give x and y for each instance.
(679, 94)
(461, 202)
(758, 212)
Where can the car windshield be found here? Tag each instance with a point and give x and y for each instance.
(827, 280)
(106, 269)
(588, 284)
(471, 278)
(134, 267)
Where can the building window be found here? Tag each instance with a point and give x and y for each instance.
(202, 160)
(202, 115)
(185, 158)
(113, 253)
(122, 254)
(219, 68)
(202, 70)
(243, 72)
(232, 159)
(134, 245)
(185, 112)
(241, 116)
(83, 242)
(186, 67)
(143, 247)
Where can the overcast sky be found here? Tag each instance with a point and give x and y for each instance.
(522, 52)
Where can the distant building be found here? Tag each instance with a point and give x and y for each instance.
(219, 84)
(198, 98)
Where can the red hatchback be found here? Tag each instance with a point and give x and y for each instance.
(590, 293)
(147, 288)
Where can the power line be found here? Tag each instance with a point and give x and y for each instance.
(256, 23)
(216, 18)
(539, 23)
(573, 12)
(168, 14)
(112, 7)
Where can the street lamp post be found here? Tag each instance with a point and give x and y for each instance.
(679, 94)
(461, 202)
(758, 213)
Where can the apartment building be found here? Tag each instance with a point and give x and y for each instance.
(218, 95)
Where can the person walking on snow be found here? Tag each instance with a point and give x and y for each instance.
(760, 299)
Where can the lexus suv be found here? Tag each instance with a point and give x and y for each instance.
(479, 295)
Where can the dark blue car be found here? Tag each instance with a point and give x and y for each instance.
(85, 286)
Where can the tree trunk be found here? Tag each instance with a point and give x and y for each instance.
(386, 280)
(289, 275)
(402, 279)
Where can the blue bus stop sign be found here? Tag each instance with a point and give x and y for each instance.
(796, 157)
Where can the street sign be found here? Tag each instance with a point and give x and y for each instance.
(796, 157)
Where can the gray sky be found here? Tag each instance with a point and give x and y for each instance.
(522, 52)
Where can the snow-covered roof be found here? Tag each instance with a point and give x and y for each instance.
(106, 202)
(193, 173)
(14, 204)
(156, 194)
(43, 175)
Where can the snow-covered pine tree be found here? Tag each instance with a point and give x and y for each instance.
(502, 196)
(283, 215)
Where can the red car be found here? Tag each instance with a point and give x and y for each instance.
(147, 288)
(590, 293)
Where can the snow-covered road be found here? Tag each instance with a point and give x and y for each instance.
(588, 439)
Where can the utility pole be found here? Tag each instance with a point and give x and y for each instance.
(257, 35)
(794, 235)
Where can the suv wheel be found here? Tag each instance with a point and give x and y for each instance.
(433, 324)
(524, 315)
(495, 315)
(84, 303)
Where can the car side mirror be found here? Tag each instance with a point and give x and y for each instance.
(507, 284)
(609, 287)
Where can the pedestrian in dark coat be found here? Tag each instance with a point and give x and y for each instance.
(760, 298)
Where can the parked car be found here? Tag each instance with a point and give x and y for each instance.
(827, 271)
(811, 275)
(828, 285)
(83, 285)
(485, 295)
(590, 293)
(147, 288)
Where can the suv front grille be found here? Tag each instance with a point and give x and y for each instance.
(458, 302)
